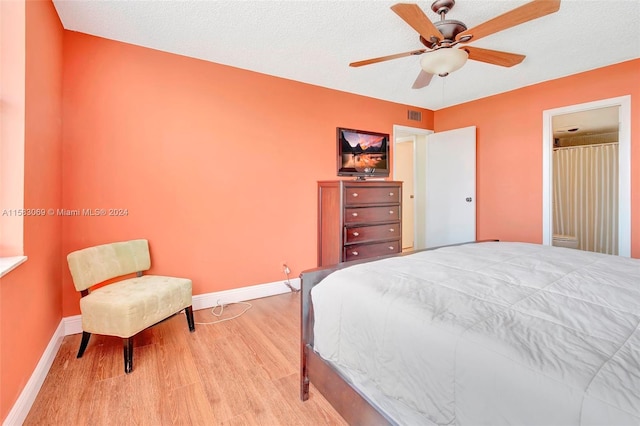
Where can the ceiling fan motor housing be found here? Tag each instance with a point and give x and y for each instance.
(449, 28)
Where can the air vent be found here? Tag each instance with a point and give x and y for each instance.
(414, 115)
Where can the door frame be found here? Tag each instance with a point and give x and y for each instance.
(406, 140)
(414, 132)
(624, 167)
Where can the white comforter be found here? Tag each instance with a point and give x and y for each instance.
(490, 333)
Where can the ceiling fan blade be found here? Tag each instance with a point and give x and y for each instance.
(496, 57)
(517, 16)
(415, 17)
(423, 80)
(387, 58)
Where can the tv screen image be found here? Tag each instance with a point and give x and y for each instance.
(362, 153)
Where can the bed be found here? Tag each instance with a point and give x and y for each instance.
(484, 333)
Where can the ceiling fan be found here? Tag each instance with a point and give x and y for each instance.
(441, 38)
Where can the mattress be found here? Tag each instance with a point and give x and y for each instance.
(490, 333)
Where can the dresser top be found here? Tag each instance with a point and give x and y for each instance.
(350, 182)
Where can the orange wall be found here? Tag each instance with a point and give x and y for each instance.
(509, 147)
(31, 297)
(216, 166)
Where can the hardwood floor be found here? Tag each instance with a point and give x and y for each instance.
(239, 372)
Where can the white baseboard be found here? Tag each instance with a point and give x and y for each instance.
(209, 300)
(73, 325)
(21, 408)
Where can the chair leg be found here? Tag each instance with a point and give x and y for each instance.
(188, 311)
(128, 354)
(83, 344)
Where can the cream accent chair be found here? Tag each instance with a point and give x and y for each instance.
(126, 307)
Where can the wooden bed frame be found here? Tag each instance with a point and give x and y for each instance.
(352, 405)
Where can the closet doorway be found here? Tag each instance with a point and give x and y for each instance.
(444, 182)
(409, 147)
(586, 177)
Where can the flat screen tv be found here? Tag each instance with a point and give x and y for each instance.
(362, 154)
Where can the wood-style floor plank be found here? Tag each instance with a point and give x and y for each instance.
(239, 372)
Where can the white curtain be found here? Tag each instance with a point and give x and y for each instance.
(585, 195)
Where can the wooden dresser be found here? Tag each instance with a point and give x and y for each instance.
(358, 219)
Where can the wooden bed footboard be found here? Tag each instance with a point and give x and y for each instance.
(352, 405)
(308, 279)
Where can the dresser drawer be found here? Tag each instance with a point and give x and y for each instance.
(372, 233)
(354, 215)
(372, 195)
(362, 251)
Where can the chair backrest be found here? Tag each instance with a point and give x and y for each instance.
(94, 265)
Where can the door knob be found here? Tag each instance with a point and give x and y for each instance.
(468, 199)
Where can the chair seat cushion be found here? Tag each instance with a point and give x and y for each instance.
(129, 306)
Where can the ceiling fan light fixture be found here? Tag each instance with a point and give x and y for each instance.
(443, 61)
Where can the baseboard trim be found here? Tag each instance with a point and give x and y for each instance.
(73, 325)
(209, 300)
(21, 408)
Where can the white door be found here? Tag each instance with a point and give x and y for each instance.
(450, 187)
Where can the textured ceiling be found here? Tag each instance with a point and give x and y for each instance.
(313, 41)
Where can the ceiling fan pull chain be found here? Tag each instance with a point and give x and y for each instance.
(444, 81)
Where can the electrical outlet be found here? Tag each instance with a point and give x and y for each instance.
(286, 269)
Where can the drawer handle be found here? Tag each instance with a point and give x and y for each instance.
(391, 229)
(354, 214)
(355, 234)
(355, 194)
(355, 253)
(391, 194)
(391, 248)
(390, 211)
